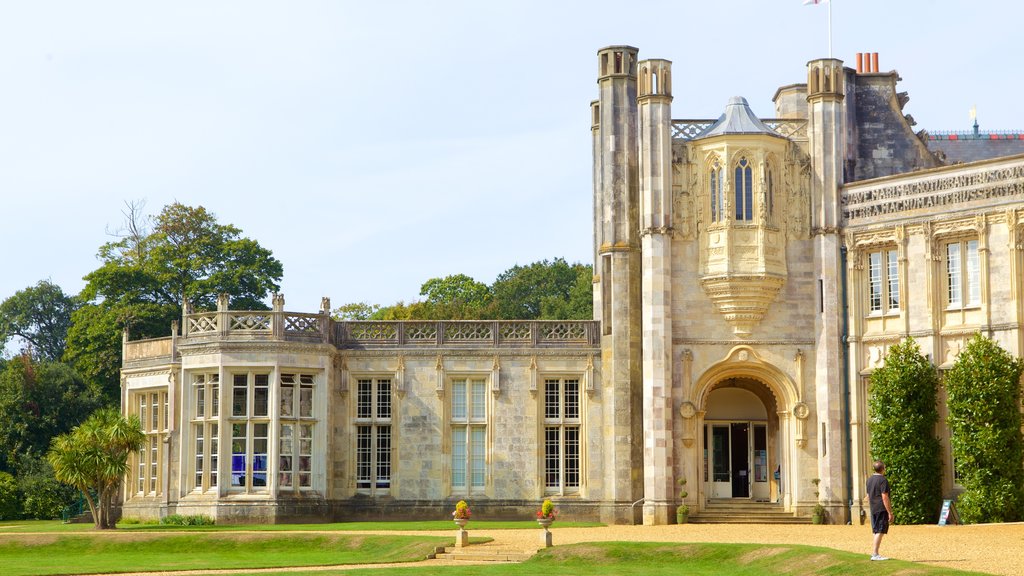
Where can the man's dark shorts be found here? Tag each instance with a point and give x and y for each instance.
(880, 522)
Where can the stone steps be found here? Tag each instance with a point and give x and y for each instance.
(483, 553)
(745, 512)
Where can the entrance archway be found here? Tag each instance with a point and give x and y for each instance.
(741, 441)
(760, 419)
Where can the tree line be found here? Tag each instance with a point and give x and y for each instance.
(59, 395)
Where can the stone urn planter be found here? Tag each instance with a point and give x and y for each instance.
(545, 523)
(461, 523)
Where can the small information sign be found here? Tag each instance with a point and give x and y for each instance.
(948, 514)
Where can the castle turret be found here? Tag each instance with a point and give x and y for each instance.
(826, 136)
(617, 270)
(655, 164)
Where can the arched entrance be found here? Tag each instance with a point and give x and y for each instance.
(740, 436)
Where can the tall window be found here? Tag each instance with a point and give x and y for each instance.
(770, 193)
(469, 435)
(963, 274)
(883, 281)
(295, 409)
(715, 184)
(205, 412)
(250, 427)
(743, 186)
(151, 408)
(561, 435)
(373, 435)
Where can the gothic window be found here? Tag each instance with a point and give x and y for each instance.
(770, 193)
(715, 185)
(883, 282)
(295, 408)
(250, 427)
(373, 435)
(561, 435)
(469, 435)
(151, 408)
(205, 412)
(963, 274)
(744, 191)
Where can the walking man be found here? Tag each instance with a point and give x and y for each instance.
(881, 507)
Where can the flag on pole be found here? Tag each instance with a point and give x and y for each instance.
(815, 3)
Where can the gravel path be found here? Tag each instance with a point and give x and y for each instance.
(991, 548)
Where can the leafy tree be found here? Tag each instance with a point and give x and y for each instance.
(544, 290)
(984, 420)
(146, 274)
(903, 413)
(355, 311)
(39, 400)
(40, 316)
(94, 458)
(42, 496)
(10, 507)
(454, 297)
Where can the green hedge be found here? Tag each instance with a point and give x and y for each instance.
(984, 421)
(903, 414)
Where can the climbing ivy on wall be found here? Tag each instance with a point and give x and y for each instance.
(903, 414)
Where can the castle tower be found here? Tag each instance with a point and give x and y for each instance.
(826, 135)
(655, 164)
(617, 272)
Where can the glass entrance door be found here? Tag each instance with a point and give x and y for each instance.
(738, 459)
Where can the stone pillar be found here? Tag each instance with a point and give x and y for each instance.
(617, 271)
(826, 130)
(655, 167)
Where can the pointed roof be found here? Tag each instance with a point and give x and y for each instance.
(738, 118)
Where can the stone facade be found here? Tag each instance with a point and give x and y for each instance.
(749, 275)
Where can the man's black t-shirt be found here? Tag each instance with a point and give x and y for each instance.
(877, 485)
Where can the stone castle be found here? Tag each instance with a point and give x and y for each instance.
(749, 275)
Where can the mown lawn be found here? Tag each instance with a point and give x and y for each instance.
(664, 559)
(30, 555)
(442, 525)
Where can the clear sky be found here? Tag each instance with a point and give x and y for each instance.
(372, 145)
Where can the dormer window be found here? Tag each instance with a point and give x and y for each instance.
(717, 201)
(744, 188)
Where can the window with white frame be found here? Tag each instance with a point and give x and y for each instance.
(469, 434)
(963, 274)
(205, 430)
(883, 282)
(151, 408)
(373, 435)
(250, 427)
(561, 435)
(295, 409)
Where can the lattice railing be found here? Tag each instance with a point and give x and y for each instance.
(689, 129)
(795, 128)
(485, 333)
(258, 321)
(203, 323)
(306, 323)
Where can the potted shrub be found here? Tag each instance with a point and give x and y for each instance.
(818, 513)
(546, 514)
(682, 511)
(461, 514)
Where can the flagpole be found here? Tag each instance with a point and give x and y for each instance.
(830, 30)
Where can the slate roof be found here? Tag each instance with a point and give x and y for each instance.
(738, 118)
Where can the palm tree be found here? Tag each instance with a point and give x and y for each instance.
(93, 457)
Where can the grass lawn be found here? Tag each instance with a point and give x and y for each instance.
(656, 559)
(442, 525)
(87, 553)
